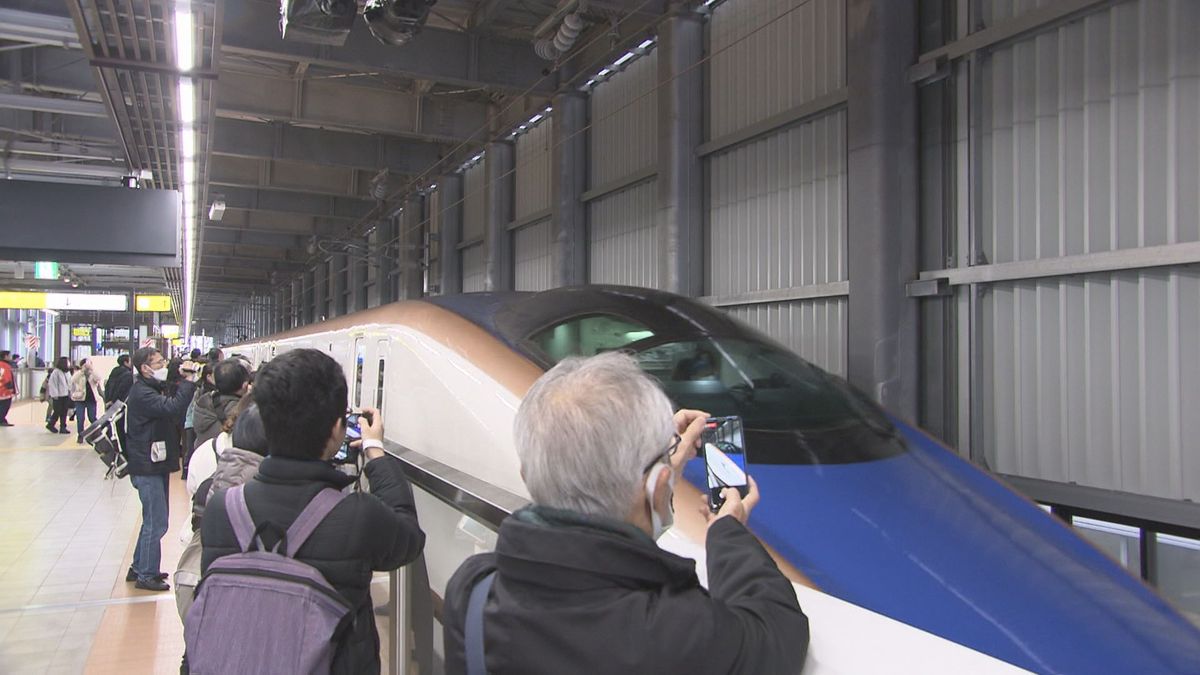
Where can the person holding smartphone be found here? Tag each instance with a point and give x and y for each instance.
(578, 584)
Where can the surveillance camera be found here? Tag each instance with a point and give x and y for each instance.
(395, 22)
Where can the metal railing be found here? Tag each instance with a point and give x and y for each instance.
(410, 598)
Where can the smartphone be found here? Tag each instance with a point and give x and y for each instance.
(347, 454)
(724, 458)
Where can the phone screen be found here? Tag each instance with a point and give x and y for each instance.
(724, 458)
(353, 433)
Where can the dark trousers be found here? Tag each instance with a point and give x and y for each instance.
(61, 404)
(5, 404)
(189, 445)
(82, 409)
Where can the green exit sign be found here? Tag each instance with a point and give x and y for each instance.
(45, 270)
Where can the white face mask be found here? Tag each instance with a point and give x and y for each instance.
(160, 374)
(658, 523)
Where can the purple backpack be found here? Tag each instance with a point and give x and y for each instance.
(262, 611)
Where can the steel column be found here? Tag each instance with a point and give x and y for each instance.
(412, 237)
(450, 209)
(680, 206)
(568, 180)
(385, 261)
(500, 186)
(882, 233)
(337, 285)
(358, 279)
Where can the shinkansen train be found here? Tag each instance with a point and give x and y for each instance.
(905, 557)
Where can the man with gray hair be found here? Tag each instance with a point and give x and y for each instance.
(577, 582)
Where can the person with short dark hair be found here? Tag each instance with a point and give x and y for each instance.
(120, 379)
(151, 424)
(232, 381)
(8, 386)
(58, 390)
(301, 398)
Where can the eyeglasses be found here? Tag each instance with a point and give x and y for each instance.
(668, 452)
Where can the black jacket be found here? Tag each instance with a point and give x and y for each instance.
(366, 532)
(153, 416)
(211, 411)
(120, 380)
(578, 594)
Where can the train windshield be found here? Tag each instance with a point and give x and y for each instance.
(794, 412)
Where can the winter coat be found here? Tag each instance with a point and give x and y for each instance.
(211, 411)
(8, 381)
(365, 532)
(235, 466)
(152, 416)
(58, 385)
(120, 380)
(81, 381)
(576, 593)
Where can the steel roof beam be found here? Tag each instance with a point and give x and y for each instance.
(240, 138)
(251, 29)
(283, 201)
(61, 106)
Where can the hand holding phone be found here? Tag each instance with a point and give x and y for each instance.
(725, 459)
(734, 505)
(371, 426)
(348, 453)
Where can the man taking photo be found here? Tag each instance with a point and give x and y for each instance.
(301, 398)
(580, 583)
(150, 419)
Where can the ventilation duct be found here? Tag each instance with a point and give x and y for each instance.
(395, 22)
(570, 27)
(325, 22)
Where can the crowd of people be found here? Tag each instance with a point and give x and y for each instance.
(281, 547)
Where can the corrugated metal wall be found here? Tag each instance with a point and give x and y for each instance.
(816, 329)
(533, 169)
(622, 240)
(474, 269)
(1092, 143)
(624, 118)
(533, 252)
(795, 59)
(474, 202)
(777, 205)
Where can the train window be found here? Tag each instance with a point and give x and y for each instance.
(589, 335)
(383, 351)
(360, 356)
(794, 412)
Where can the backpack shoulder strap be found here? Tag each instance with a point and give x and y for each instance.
(239, 516)
(473, 629)
(311, 517)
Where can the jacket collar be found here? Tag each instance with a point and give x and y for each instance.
(565, 550)
(286, 471)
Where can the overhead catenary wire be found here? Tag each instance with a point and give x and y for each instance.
(586, 127)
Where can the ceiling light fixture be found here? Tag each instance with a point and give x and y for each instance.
(185, 101)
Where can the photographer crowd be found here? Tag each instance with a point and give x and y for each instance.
(282, 545)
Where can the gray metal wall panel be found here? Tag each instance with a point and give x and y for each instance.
(623, 243)
(533, 169)
(474, 203)
(814, 329)
(1091, 380)
(797, 57)
(778, 210)
(533, 249)
(1094, 135)
(624, 114)
(1091, 142)
(474, 269)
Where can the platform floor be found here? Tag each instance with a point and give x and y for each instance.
(66, 541)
